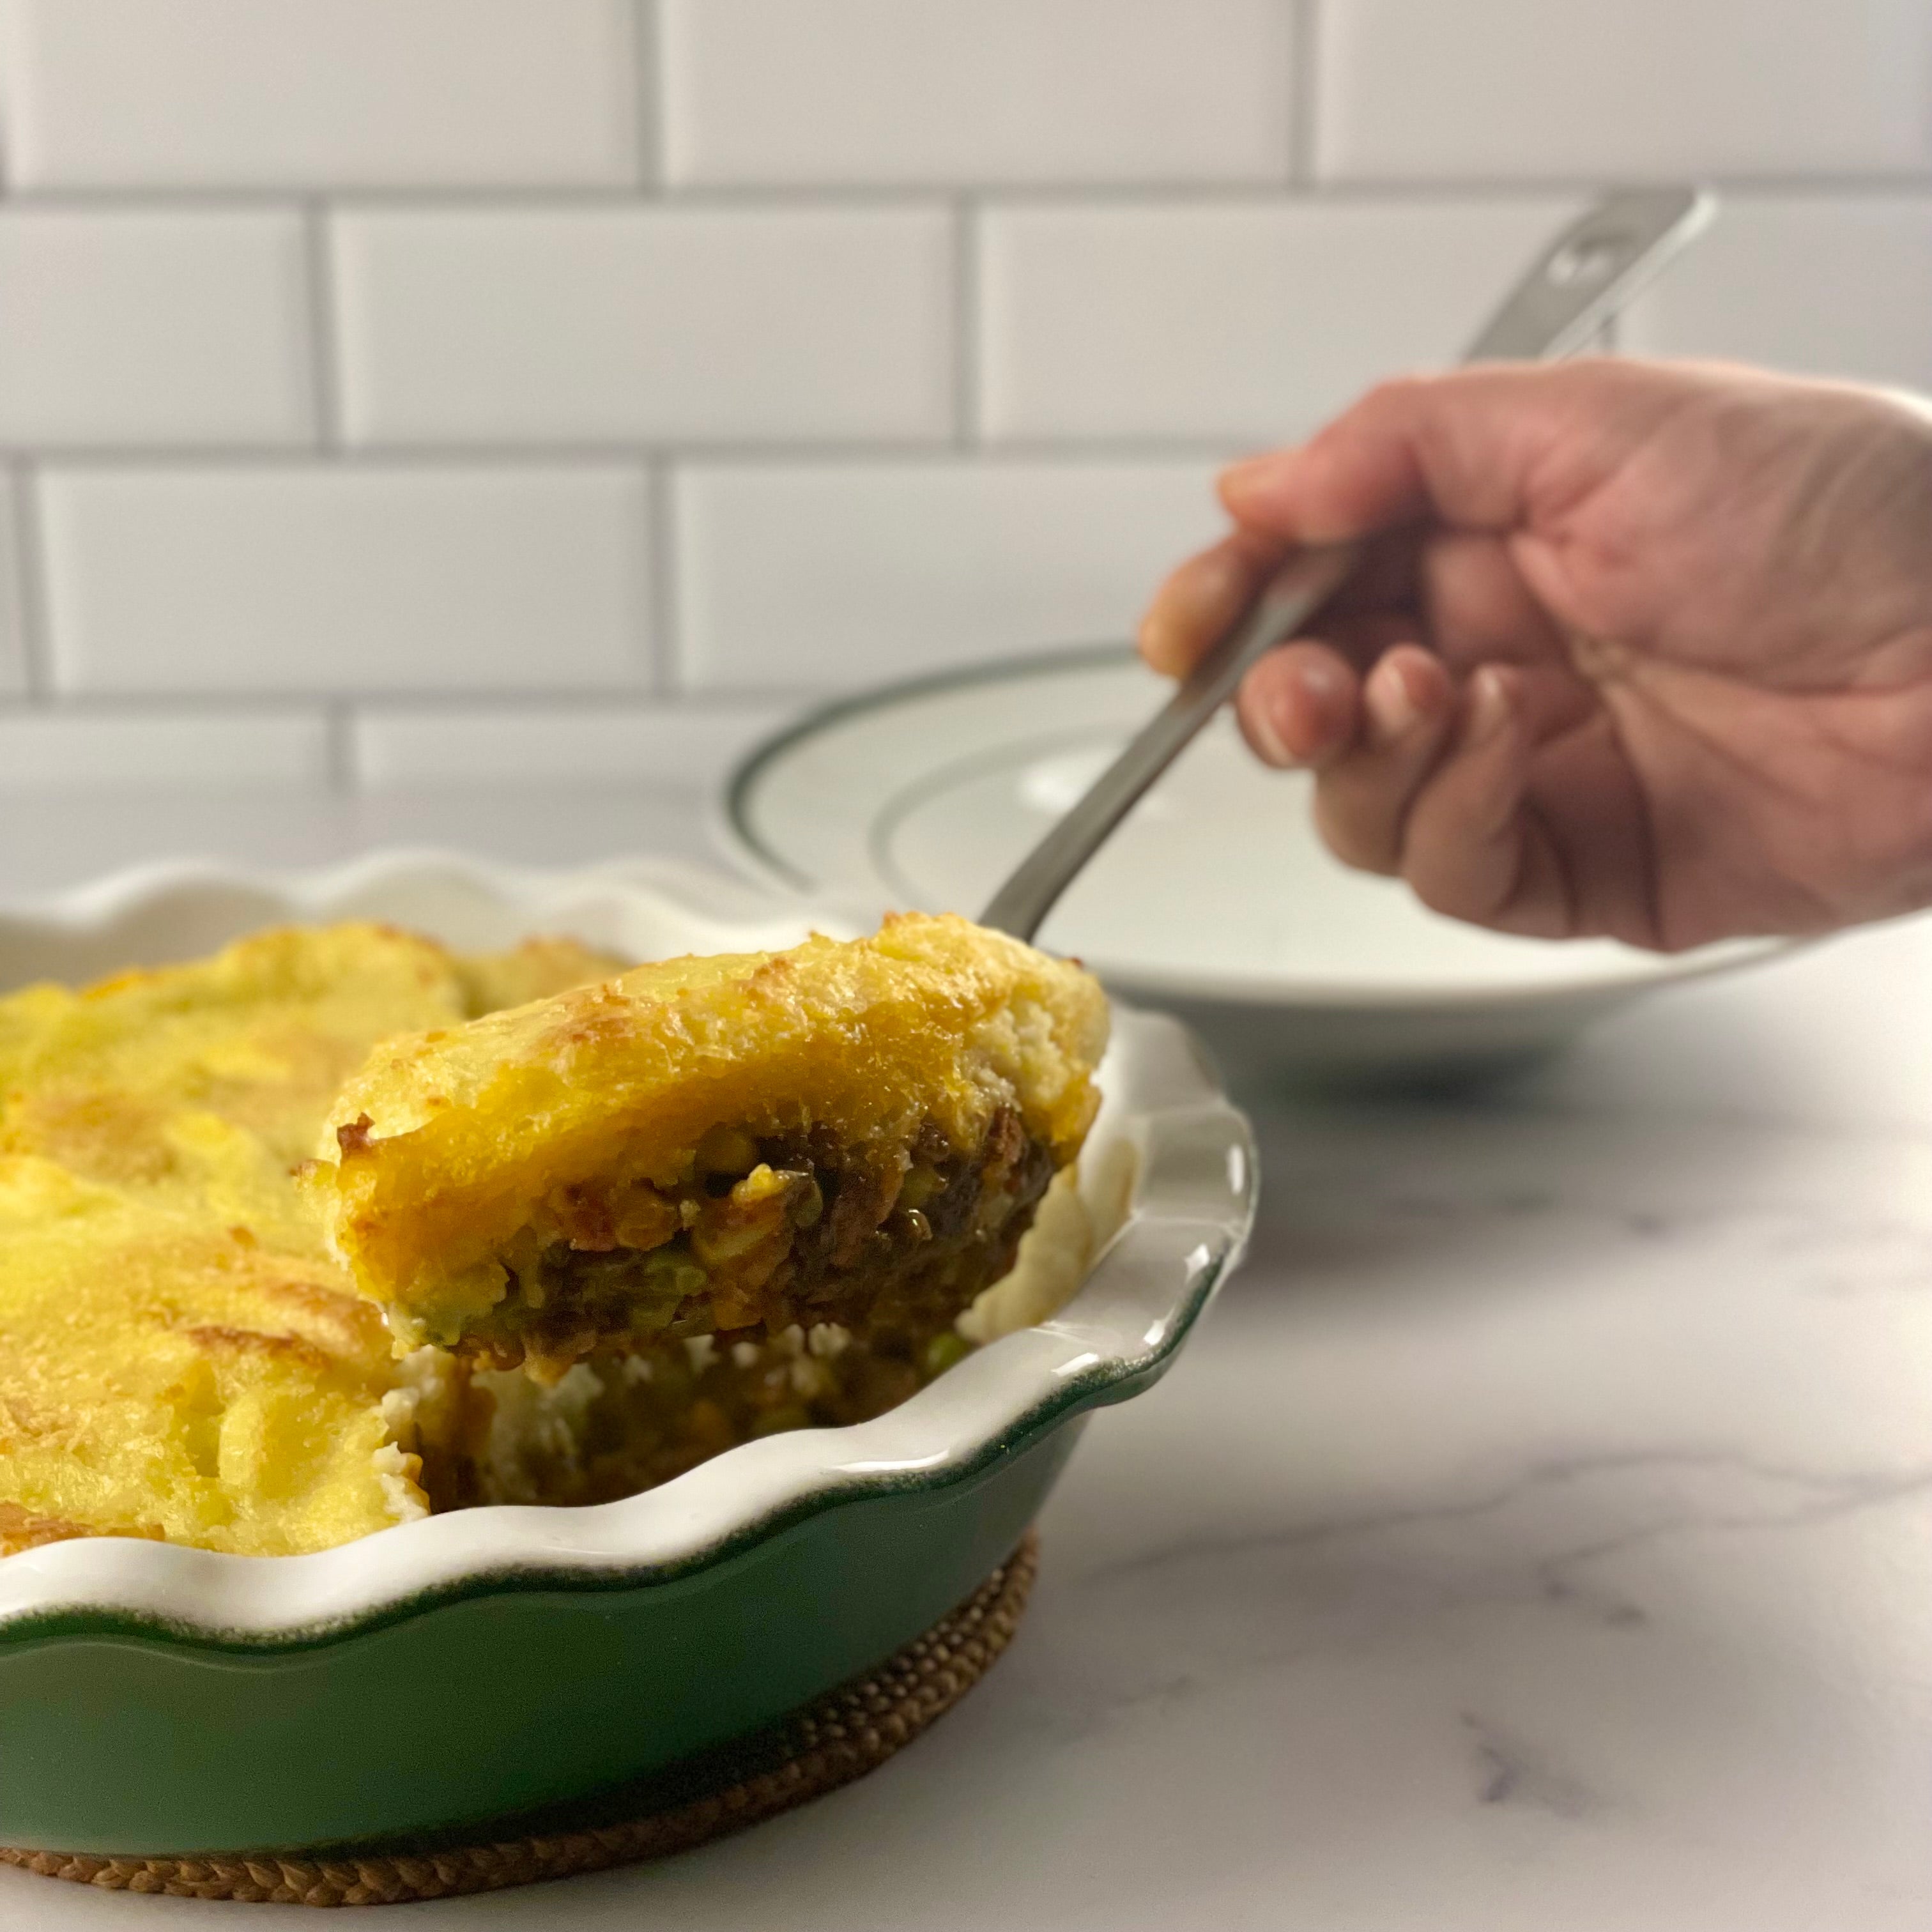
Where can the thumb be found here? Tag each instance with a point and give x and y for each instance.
(1473, 449)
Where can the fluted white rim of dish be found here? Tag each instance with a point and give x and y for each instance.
(1193, 1205)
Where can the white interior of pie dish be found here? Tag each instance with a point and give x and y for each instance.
(1163, 1115)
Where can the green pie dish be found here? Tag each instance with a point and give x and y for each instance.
(452, 1673)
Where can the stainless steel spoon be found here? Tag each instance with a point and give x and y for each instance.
(1580, 281)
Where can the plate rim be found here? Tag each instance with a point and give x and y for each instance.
(735, 789)
(732, 822)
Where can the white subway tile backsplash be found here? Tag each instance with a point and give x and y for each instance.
(661, 744)
(307, 579)
(368, 352)
(1526, 89)
(102, 750)
(888, 91)
(363, 93)
(125, 327)
(1243, 321)
(819, 576)
(1837, 287)
(594, 325)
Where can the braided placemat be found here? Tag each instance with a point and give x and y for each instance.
(840, 1737)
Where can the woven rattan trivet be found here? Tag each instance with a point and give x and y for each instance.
(841, 1738)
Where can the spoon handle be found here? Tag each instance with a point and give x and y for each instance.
(1587, 273)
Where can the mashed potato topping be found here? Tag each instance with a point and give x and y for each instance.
(180, 1356)
(741, 1196)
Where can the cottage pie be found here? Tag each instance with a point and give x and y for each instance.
(698, 1203)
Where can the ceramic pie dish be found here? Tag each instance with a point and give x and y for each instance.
(158, 1700)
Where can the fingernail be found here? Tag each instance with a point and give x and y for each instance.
(1318, 679)
(1490, 707)
(1197, 596)
(1273, 744)
(1392, 709)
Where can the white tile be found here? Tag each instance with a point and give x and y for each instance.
(343, 579)
(1246, 322)
(121, 327)
(257, 93)
(13, 608)
(1416, 89)
(594, 325)
(1827, 287)
(114, 750)
(549, 745)
(821, 576)
(976, 90)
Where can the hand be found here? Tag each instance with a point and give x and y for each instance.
(1639, 650)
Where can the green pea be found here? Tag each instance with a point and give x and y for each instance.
(943, 1351)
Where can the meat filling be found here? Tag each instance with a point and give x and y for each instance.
(768, 1231)
(615, 1424)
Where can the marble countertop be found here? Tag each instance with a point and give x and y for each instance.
(1539, 1535)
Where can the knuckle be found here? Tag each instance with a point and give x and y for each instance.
(1394, 398)
(1394, 393)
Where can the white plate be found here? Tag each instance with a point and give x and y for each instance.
(1215, 896)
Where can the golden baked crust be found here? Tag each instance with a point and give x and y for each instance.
(180, 1356)
(183, 1356)
(164, 1378)
(731, 1142)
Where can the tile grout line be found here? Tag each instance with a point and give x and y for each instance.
(308, 701)
(341, 776)
(31, 602)
(466, 706)
(648, 96)
(520, 196)
(232, 704)
(622, 458)
(324, 397)
(665, 662)
(1305, 32)
(967, 334)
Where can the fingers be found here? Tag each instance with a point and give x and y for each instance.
(1468, 846)
(1202, 599)
(1419, 778)
(1444, 801)
(1362, 798)
(1483, 843)
(1473, 606)
(1301, 705)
